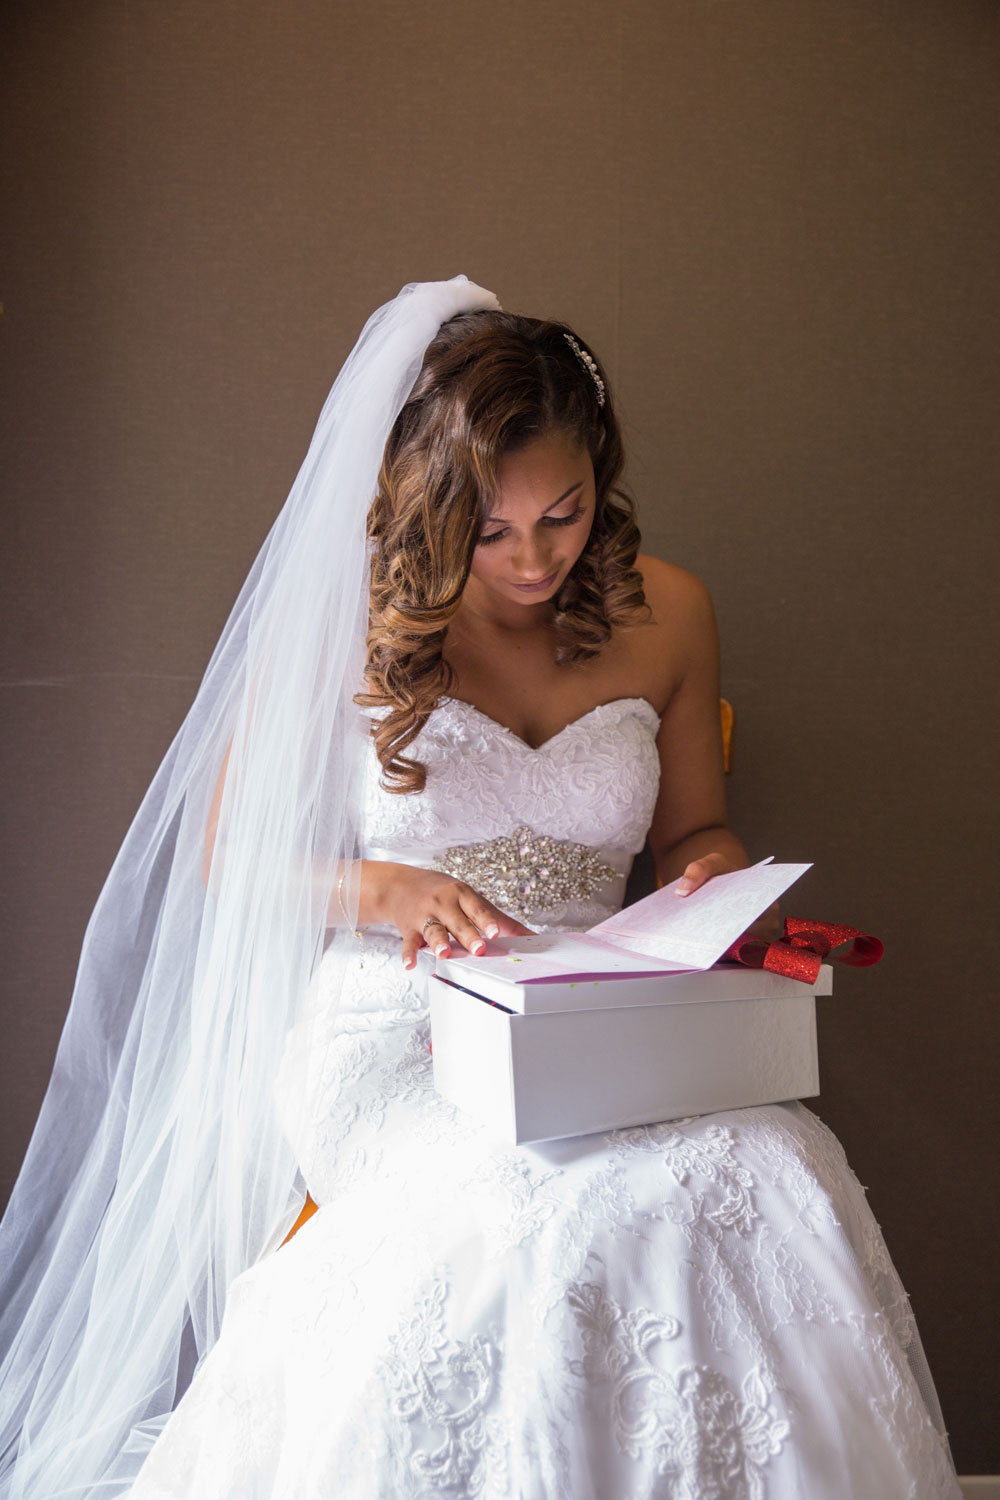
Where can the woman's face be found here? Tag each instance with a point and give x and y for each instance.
(540, 521)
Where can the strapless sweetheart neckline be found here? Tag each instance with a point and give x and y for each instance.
(573, 723)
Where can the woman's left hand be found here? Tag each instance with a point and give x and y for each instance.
(767, 926)
(701, 870)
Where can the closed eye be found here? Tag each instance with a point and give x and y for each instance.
(570, 520)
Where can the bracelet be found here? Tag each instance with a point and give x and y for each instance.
(359, 932)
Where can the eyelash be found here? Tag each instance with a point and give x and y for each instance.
(484, 541)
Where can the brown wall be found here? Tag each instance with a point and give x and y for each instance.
(777, 222)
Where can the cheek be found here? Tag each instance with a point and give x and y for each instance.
(484, 563)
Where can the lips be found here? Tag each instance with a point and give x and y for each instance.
(537, 588)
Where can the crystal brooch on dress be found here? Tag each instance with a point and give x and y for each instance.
(525, 872)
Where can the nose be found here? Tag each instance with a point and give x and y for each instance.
(532, 559)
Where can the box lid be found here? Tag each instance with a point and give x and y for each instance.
(721, 982)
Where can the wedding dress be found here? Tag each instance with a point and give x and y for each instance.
(702, 1309)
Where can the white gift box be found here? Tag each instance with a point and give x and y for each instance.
(623, 1051)
(561, 1034)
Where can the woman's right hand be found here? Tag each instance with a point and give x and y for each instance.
(407, 896)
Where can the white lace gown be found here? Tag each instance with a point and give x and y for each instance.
(702, 1309)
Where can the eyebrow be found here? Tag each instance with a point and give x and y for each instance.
(572, 490)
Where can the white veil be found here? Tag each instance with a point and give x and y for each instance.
(158, 1171)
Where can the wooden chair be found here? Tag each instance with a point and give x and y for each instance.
(308, 1209)
(726, 715)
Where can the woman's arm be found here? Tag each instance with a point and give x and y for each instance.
(690, 837)
(402, 896)
(212, 826)
(405, 896)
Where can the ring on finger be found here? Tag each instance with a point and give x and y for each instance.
(430, 922)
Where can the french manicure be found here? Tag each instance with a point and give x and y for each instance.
(479, 949)
(684, 887)
(492, 930)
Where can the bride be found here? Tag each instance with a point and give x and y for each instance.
(699, 1308)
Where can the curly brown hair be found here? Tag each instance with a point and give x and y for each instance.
(489, 384)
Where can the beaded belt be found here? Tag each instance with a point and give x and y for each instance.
(525, 872)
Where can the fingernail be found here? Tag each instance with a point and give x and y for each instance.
(683, 887)
(442, 951)
(492, 930)
(408, 963)
(479, 949)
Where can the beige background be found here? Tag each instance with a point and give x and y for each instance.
(777, 222)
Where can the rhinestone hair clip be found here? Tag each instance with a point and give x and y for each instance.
(587, 360)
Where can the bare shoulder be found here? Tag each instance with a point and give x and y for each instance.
(678, 642)
(678, 600)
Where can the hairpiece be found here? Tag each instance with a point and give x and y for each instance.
(589, 364)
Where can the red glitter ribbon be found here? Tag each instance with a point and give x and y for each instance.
(803, 946)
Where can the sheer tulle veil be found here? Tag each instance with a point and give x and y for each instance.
(158, 1170)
